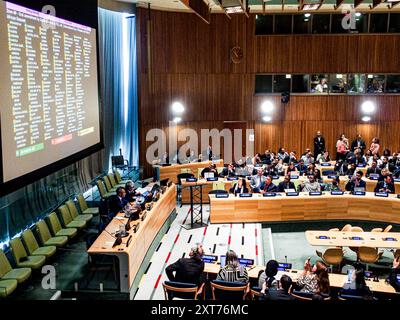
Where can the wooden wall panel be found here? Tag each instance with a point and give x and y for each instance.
(190, 63)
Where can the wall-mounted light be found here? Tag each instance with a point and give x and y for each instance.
(267, 107)
(178, 107)
(366, 119)
(267, 119)
(368, 107)
(177, 120)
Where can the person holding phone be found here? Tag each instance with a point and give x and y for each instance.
(314, 279)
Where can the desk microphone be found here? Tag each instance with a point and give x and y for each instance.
(286, 259)
(129, 241)
(118, 239)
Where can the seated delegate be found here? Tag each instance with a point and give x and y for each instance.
(239, 188)
(356, 182)
(286, 184)
(257, 181)
(386, 185)
(269, 186)
(233, 271)
(228, 171)
(310, 185)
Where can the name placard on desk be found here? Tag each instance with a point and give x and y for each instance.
(269, 194)
(381, 194)
(221, 195)
(191, 180)
(322, 237)
(331, 177)
(245, 195)
(212, 179)
(361, 165)
(292, 194)
(248, 178)
(325, 164)
(294, 176)
(275, 177)
(359, 193)
(319, 193)
(374, 176)
(356, 238)
(337, 193)
(389, 239)
(232, 179)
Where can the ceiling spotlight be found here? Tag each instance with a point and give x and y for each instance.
(267, 119)
(366, 119)
(368, 107)
(177, 120)
(177, 107)
(358, 14)
(307, 15)
(267, 107)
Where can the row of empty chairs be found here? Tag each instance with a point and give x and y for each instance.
(31, 253)
(367, 255)
(109, 184)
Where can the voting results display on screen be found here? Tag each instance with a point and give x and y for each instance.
(48, 90)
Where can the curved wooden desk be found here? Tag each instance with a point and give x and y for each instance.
(304, 208)
(131, 256)
(170, 172)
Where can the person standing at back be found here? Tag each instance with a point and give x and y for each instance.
(319, 144)
(188, 270)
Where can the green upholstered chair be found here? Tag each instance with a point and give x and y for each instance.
(21, 257)
(85, 208)
(7, 287)
(220, 185)
(33, 248)
(46, 238)
(118, 178)
(8, 273)
(57, 229)
(108, 185)
(68, 221)
(114, 182)
(102, 190)
(75, 214)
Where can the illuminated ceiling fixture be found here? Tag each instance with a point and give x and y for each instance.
(366, 119)
(237, 9)
(309, 5)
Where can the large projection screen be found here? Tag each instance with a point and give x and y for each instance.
(48, 92)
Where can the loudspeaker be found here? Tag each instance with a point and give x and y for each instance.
(285, 97)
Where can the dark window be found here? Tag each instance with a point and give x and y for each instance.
(263, 83)
(393, 83)
(320, 23)
(337, 24)
(376, 83)
(378, 23)
(338, 83)
(264, 24)
(283, 24)
(356, 83)
(394, 24)
(319, 83)
(300, 83)
(302, 23)
(282, 82)
(361, 22)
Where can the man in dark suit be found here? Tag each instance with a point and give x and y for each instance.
(269, 186)
(188, 270)
(301, 167)
(228, 172)
(358, 143)
(386, 164)
(319, 144)
(356, 182)
(278, 293)
(373, 169)
(211, 169)
(117, 202)
(386, 185)
(286, 184)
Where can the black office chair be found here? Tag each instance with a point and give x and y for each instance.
(179, 185)
(118, 162)
(308, 296)
(225, 290)
(256, 293)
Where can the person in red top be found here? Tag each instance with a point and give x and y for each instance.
(341, 150)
